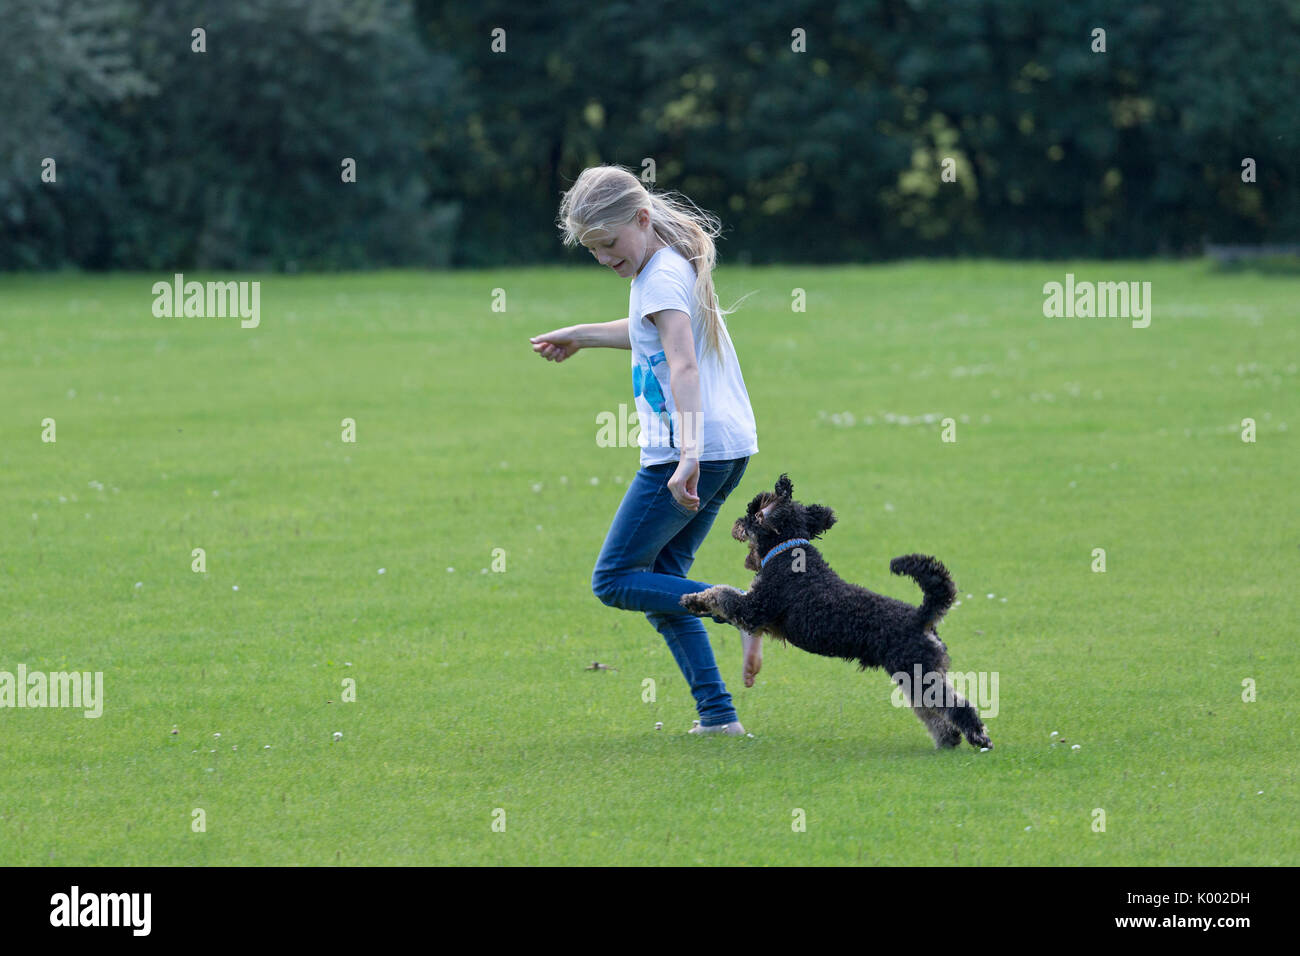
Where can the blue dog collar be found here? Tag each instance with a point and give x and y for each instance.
(783, 546)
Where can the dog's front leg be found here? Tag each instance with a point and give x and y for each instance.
(713, 602)
(742, 609)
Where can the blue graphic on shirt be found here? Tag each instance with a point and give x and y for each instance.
(645, 382)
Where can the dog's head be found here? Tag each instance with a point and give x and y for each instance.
(774, 516)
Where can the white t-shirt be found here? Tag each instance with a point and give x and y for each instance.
(727, 425)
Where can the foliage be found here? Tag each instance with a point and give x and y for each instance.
(231, 158)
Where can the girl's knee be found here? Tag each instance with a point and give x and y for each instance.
(603, 586)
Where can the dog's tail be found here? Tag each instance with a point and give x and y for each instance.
(935, 583)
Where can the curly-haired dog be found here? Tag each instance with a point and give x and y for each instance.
(796, 597)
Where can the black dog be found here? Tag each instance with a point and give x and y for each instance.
(796, 597)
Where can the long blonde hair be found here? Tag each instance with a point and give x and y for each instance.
(607, 197)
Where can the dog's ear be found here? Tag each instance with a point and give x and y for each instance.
(819, 519)
(754, 505)
(784, 487)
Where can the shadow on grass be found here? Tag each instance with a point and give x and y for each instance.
(775, 745)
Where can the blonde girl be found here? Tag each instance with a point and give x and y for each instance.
(697, 428)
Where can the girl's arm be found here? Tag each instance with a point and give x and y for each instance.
(560, 344)
(610, 335)
(683, 376)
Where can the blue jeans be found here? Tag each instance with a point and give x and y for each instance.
(642, 566)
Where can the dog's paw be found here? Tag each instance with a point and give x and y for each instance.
(949, 739)
(697, 603)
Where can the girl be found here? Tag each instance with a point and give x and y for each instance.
(697, 427)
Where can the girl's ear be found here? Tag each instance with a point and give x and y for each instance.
(819, 518)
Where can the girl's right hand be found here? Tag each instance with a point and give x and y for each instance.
(555, 346)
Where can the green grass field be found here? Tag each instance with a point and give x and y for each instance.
(471, 688)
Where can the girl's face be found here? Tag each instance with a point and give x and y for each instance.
(625, 249)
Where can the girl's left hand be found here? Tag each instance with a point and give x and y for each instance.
(684, 482)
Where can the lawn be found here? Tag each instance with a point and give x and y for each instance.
(438, 569)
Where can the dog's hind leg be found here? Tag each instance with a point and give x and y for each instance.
(965, 718)
(945, 735)
(923, 679)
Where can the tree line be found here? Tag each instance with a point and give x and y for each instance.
(350, 134)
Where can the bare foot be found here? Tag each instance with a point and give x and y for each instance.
(753, 651)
